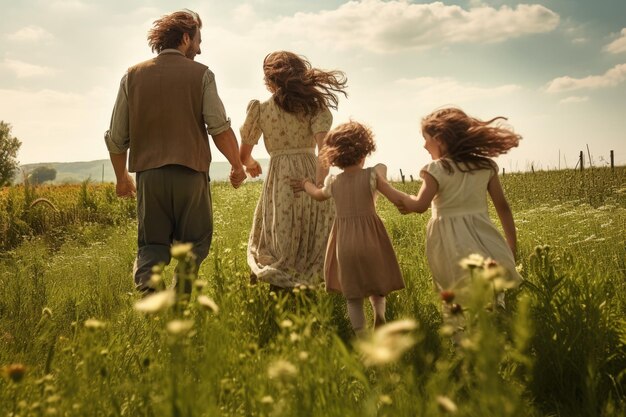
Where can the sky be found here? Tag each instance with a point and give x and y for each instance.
(555, 68)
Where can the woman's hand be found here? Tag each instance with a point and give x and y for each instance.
(297, 184)
(253, 168)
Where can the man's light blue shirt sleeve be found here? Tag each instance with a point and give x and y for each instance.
(212, 107)
(117, 138)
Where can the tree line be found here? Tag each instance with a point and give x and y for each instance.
(9, 165)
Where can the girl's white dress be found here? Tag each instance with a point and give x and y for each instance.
(460, 225)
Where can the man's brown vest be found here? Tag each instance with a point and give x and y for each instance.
(165, 114)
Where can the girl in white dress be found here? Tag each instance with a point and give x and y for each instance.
(455, 186)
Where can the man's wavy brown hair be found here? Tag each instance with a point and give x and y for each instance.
(469, 140)
(167, 32)
(299, 88)
(347, 144)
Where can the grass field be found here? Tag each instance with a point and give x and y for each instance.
(74, 343)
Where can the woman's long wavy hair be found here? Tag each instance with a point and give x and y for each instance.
(167, 32)
(347, 145)
(469, 140)
(299, 88)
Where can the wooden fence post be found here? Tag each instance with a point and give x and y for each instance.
(612, 161)
(411, 176)
(503, 171)
(402, 176)
(581, 159)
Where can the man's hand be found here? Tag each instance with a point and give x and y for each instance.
(125, 188)
(237, 177)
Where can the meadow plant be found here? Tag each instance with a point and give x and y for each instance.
(69, 315)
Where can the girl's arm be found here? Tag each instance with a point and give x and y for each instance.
(504, 212)
(311, 189)
(320, 171)
(245, 155)
(386, 189)
(421, 202)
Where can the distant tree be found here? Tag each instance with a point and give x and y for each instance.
(9, 146)
(42, 174)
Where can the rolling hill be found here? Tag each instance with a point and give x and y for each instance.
(102, 171)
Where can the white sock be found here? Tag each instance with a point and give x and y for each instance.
(356, 314)
(379, 304)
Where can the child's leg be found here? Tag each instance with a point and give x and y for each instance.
(356, 314)
(379, 305)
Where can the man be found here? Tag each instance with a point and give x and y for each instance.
(163, 110)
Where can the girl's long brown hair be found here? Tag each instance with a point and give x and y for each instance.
(299, 88)
(469, 140)
(167, 32)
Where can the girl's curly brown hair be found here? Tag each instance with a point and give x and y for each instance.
(346, 145)
(299, 88)
(167, 32)
(469, 140)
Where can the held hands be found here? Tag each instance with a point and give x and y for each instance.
(405, 205)
(237, 177)
(125, 188)
(297, 184)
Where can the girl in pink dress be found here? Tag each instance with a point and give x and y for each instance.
(360, 261)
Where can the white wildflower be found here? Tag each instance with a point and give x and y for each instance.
(156, 302)
(446, 404)
(472, 261)
(208, 304)
(155, 280)
(180, 250)
(388, 343)
(94, 324)
(385, 400)
(281, 369)
(179, 327)
(501, 284)
(286, 323)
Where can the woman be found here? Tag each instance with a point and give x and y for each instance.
(289, 233)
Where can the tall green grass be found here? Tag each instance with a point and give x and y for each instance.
(67, 314)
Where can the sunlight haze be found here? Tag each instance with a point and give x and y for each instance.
(555, 68)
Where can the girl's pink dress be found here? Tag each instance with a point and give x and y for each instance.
(360, 260)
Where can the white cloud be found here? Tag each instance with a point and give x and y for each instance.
(244, 13)
(397, 25)
(30, 34)
(619, 44)
(449, 91)
(69, 5)
(25, 70)
(611, 78)
(574, 99)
